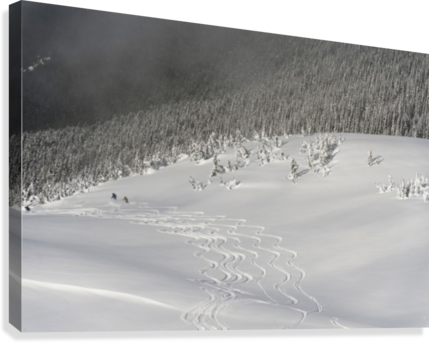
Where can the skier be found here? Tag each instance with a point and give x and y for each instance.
(126, 200)
(27, 208)
(113, 196)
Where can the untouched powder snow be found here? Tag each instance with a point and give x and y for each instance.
(251, 250)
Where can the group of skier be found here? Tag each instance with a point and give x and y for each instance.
(114, 197)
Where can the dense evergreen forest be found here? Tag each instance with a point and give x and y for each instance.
(259, 83)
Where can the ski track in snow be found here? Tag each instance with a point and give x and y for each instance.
(242, 260)
(335, 323)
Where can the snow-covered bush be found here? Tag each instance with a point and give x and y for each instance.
(282, 156)
(263, 155)
(196, 185)
(231, 184)
(242, 152)
(404, 189)
(381, 188)
(391, 186)
(408, 188)
(325, 170)
(321, 151)
(304, 147)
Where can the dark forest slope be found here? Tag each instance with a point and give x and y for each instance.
(256, 82)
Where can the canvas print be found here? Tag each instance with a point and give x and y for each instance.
(174, 176)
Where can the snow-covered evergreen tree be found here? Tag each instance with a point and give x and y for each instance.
(196, 185)
(370, 159)
(293, 170)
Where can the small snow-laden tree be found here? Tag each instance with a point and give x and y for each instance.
(213, 172)
(196, 185)
(259, 156)
(231, 184)
(404, 190)
(325, 170)
(198, 154)
(262, 155)
(310, 150)
(407, 189)
(256, 135)
(323, 158)
(417, 189)
(217, 168)
(242, 152)
(220, 168)
(422, 182)
(425, 196)
(238, 163)
(213, 142)
(239, 138)
(304, 147)
(381, 188)
(230, 167)
(293, 170)
(207, 152)
(400, 190)
(154, 163)
(386, 189)
(193, 183)
(412, 188)
(310, 161)
(417, 184)
(391, 186)
(227, 143)
(263, 134)
(370, 159)
(174, 155)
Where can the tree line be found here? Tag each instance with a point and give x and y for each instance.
(290, 86)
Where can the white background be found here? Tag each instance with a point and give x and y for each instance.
(12, 335)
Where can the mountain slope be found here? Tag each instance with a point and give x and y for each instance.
(326, 252)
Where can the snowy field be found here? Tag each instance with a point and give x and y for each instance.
(327, 252)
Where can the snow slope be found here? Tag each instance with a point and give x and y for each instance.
(326, 252)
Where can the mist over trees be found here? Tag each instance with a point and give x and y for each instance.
(119, 101)
(106, 64)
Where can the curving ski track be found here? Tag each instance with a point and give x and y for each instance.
(242, 262)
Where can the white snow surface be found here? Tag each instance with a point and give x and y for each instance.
(326, 252)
